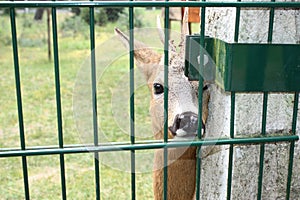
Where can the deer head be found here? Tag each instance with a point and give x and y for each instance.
(182, 113)
(183, 100)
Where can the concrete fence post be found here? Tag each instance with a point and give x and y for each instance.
(254, 24)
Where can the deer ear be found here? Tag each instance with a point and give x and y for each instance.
(146, 58)
(184, 30)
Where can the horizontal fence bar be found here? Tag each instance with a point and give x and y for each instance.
(148, 4)
(143, 146)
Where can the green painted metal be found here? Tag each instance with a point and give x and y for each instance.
(237, 23)
(94, 100)
(232, 111)
(236, 72)
(238, 4)
(262, 146)
(143, 145)
(166, 97)
(131, 94)
(264, 115)
(230, 161)
(290, 170)
(292, 147)
(58, 103)
(200, 94)
(271, 23)
(19, 99)
(248, 67)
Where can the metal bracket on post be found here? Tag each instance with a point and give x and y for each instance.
(245, 67)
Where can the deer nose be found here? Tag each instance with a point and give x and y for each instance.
(185, 125)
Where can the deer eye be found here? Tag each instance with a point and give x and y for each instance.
(158, 88)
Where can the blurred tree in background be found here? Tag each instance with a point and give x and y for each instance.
(102, 15)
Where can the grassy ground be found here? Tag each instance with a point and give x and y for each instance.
(39, 107)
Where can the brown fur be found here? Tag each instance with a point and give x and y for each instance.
(181, 174)
(181, 161)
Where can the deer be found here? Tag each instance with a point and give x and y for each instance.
(182, 115)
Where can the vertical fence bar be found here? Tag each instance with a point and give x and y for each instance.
(271, 23)
(230, 161)
(166, 97)
(262, 146)
(200, 88)
(237, 23)
(94, 100)
(232, 112)
(166, 72)
(200, 93)
(19, 99)
(292, 146)
(264, 114)
(58, 102)
(131, 91)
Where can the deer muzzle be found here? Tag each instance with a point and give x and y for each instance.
(185, 125)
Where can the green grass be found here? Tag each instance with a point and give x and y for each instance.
(39, 107)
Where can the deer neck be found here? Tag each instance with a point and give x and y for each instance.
(181, 173)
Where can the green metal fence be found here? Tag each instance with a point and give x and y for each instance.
(132, 146)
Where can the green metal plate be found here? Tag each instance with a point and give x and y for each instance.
(244, 67)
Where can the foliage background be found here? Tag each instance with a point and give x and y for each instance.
(39, 105)
(38, 93)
